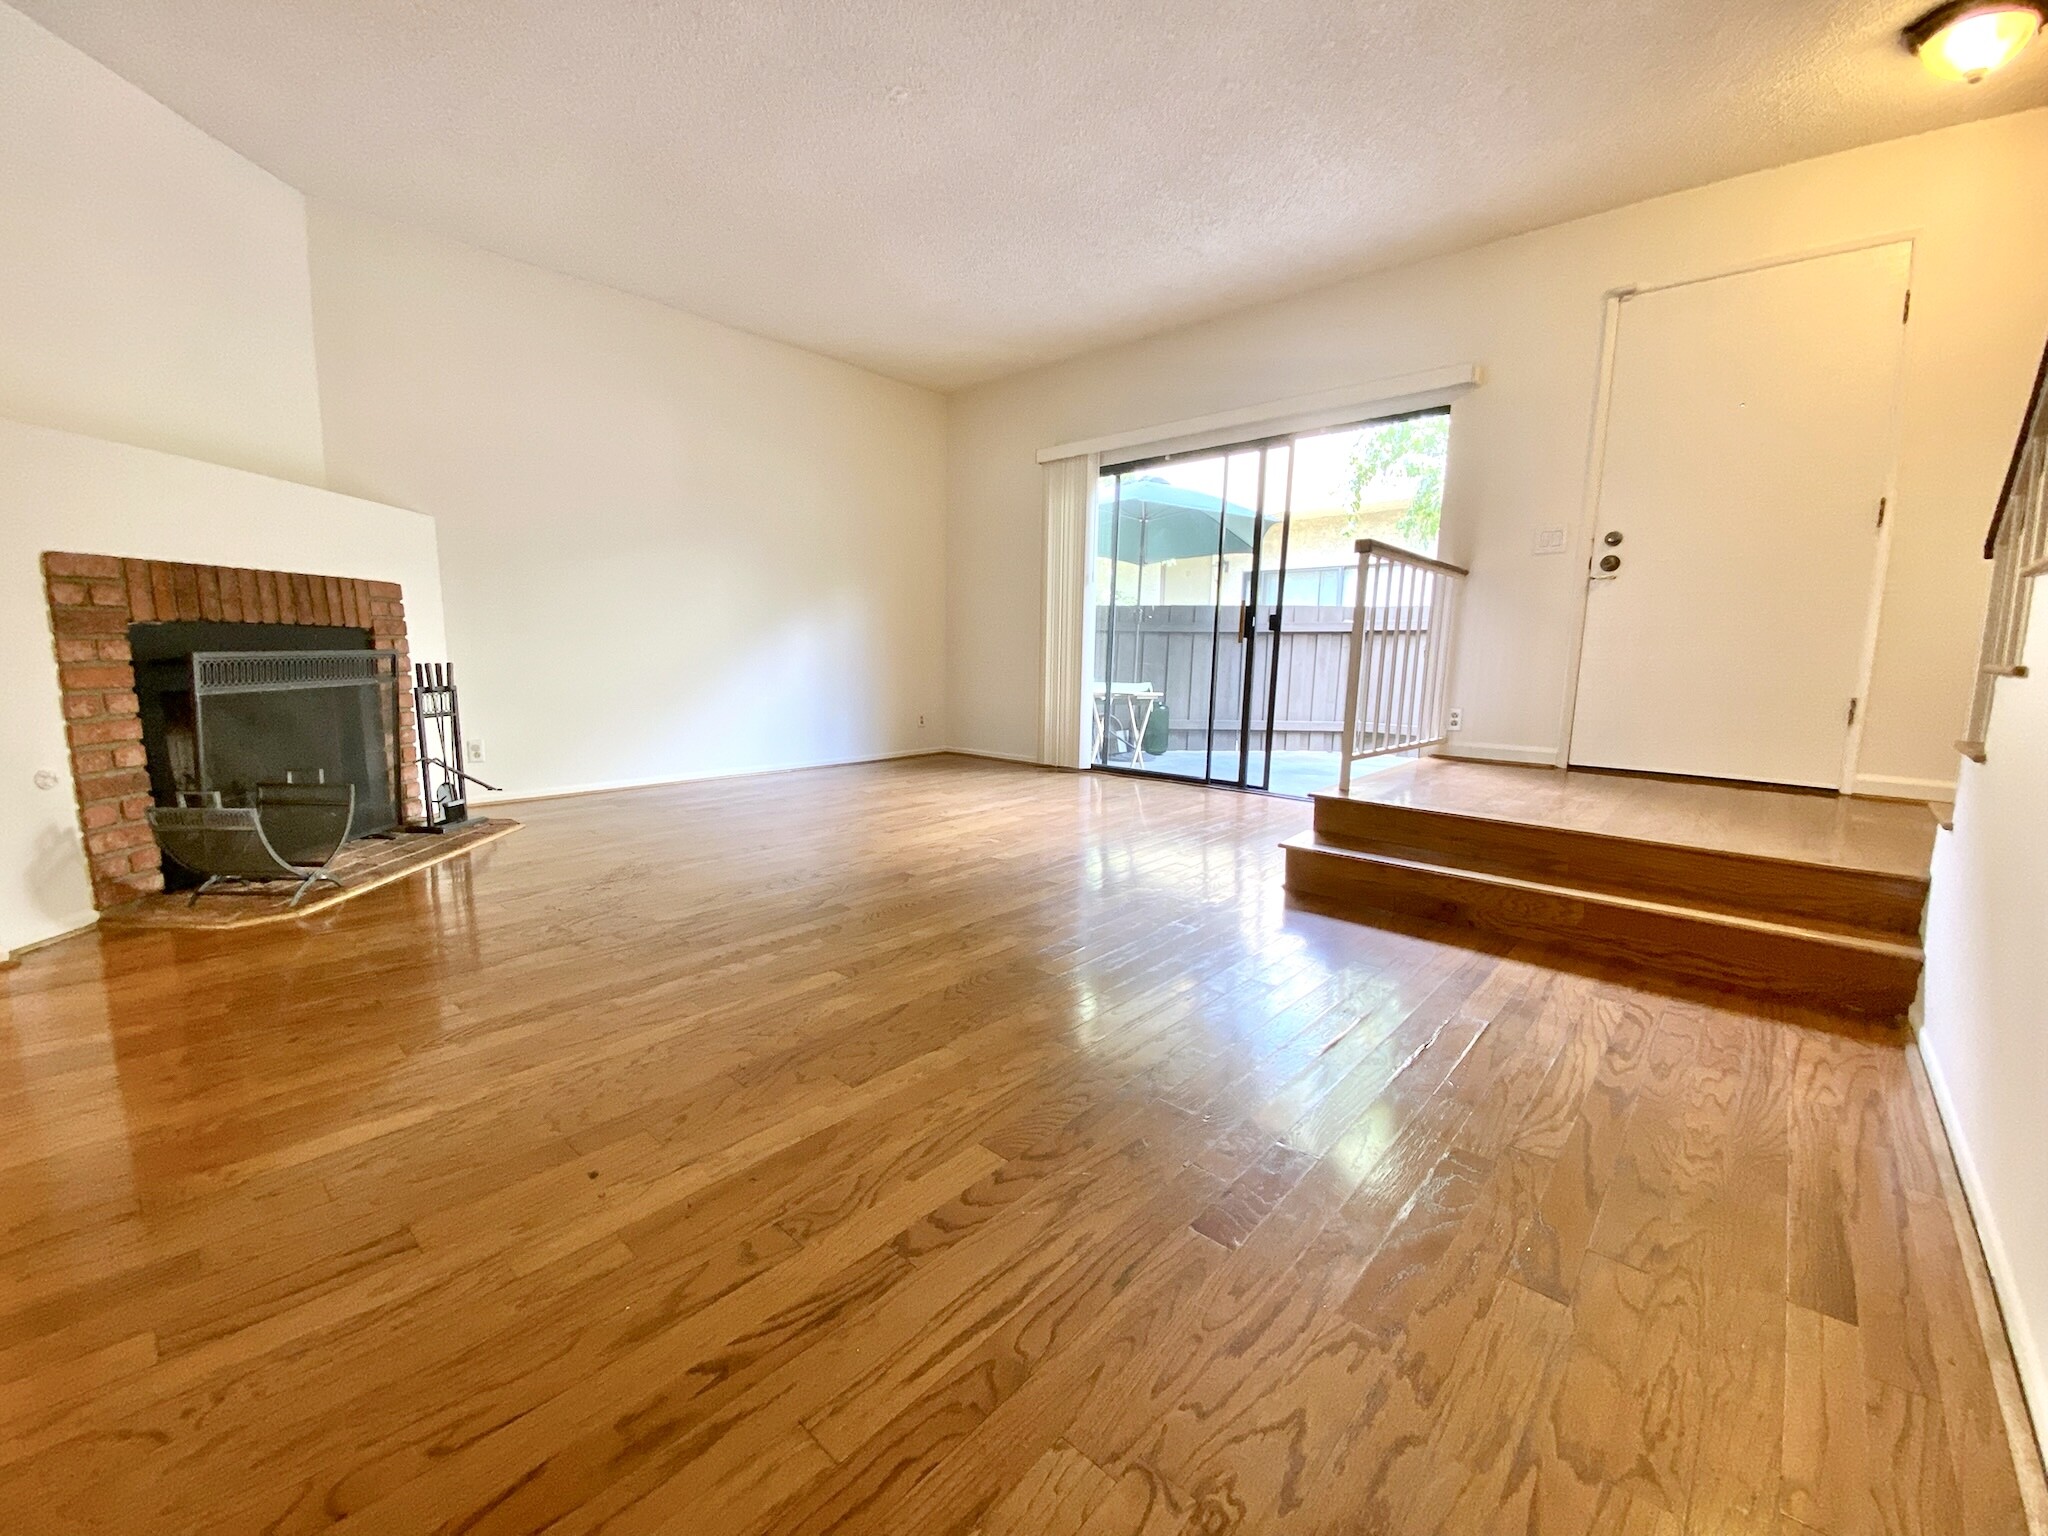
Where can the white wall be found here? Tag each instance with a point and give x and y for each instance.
(59, 490)
(1528, 311)
(1984, 1006)
(670, 549)
(153, 284)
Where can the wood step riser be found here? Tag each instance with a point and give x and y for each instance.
(1805, 968)
(1777, 890)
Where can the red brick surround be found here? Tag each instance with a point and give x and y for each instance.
(93, 600)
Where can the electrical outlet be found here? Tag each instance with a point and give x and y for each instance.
(475, 750)
(46, 779)
(1457, 719)
(920, 722)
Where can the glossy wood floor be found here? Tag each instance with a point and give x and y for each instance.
(944, 1147)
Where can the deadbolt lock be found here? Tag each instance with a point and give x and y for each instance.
(1613, 537)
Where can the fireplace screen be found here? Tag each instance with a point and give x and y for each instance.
(251, 718)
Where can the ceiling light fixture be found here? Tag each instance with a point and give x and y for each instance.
(1968, 40)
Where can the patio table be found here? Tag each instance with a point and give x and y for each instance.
(1134, 697)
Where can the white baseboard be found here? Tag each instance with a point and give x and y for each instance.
(995, 757)
(1885, 786)
(2019, 1328)
(13, 956)
(1499, 752)
(607, 786)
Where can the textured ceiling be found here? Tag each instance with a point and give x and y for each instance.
(947, 190)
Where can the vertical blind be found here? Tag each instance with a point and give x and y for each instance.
(1069, 496)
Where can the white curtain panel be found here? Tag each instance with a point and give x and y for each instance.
(1069, 501)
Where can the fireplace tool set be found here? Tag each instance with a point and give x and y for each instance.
(442, 775)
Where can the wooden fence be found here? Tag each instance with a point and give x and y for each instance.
(1175, 647)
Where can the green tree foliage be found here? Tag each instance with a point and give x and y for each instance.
(1403, 455)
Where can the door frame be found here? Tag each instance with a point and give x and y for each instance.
(1596, 467)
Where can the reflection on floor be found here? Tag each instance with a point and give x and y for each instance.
(944, 1146)
(1295, 774)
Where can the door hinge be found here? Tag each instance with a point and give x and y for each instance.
(1906, 310)
(1852, 711)
(1880, 509)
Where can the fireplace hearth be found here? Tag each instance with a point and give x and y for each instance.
(297, 660)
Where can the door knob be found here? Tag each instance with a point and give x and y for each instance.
(1610, 562)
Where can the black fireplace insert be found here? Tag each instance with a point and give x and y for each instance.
(273, 705)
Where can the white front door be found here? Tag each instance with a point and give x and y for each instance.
(1748, 445)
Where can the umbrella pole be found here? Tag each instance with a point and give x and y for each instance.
(1144, 522)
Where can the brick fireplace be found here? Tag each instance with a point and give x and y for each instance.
(94, 598)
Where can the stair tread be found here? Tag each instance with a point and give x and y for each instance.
(1869, 943)
(1565, 833)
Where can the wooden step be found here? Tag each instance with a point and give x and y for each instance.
(1819, 966)
(1779, 890)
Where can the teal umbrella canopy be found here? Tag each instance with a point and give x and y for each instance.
(1155, 521)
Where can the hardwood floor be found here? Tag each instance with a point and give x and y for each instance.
(948, 1147)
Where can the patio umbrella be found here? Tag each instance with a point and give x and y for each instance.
(1158, 521)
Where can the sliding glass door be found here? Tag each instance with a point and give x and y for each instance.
(1224, 582)
(1184, 642)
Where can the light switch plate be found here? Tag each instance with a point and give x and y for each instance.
(1549, 541)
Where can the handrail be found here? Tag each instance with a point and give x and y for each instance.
(2018, 549)
(1397, 666)
(2028, 420)
(1407, 556)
